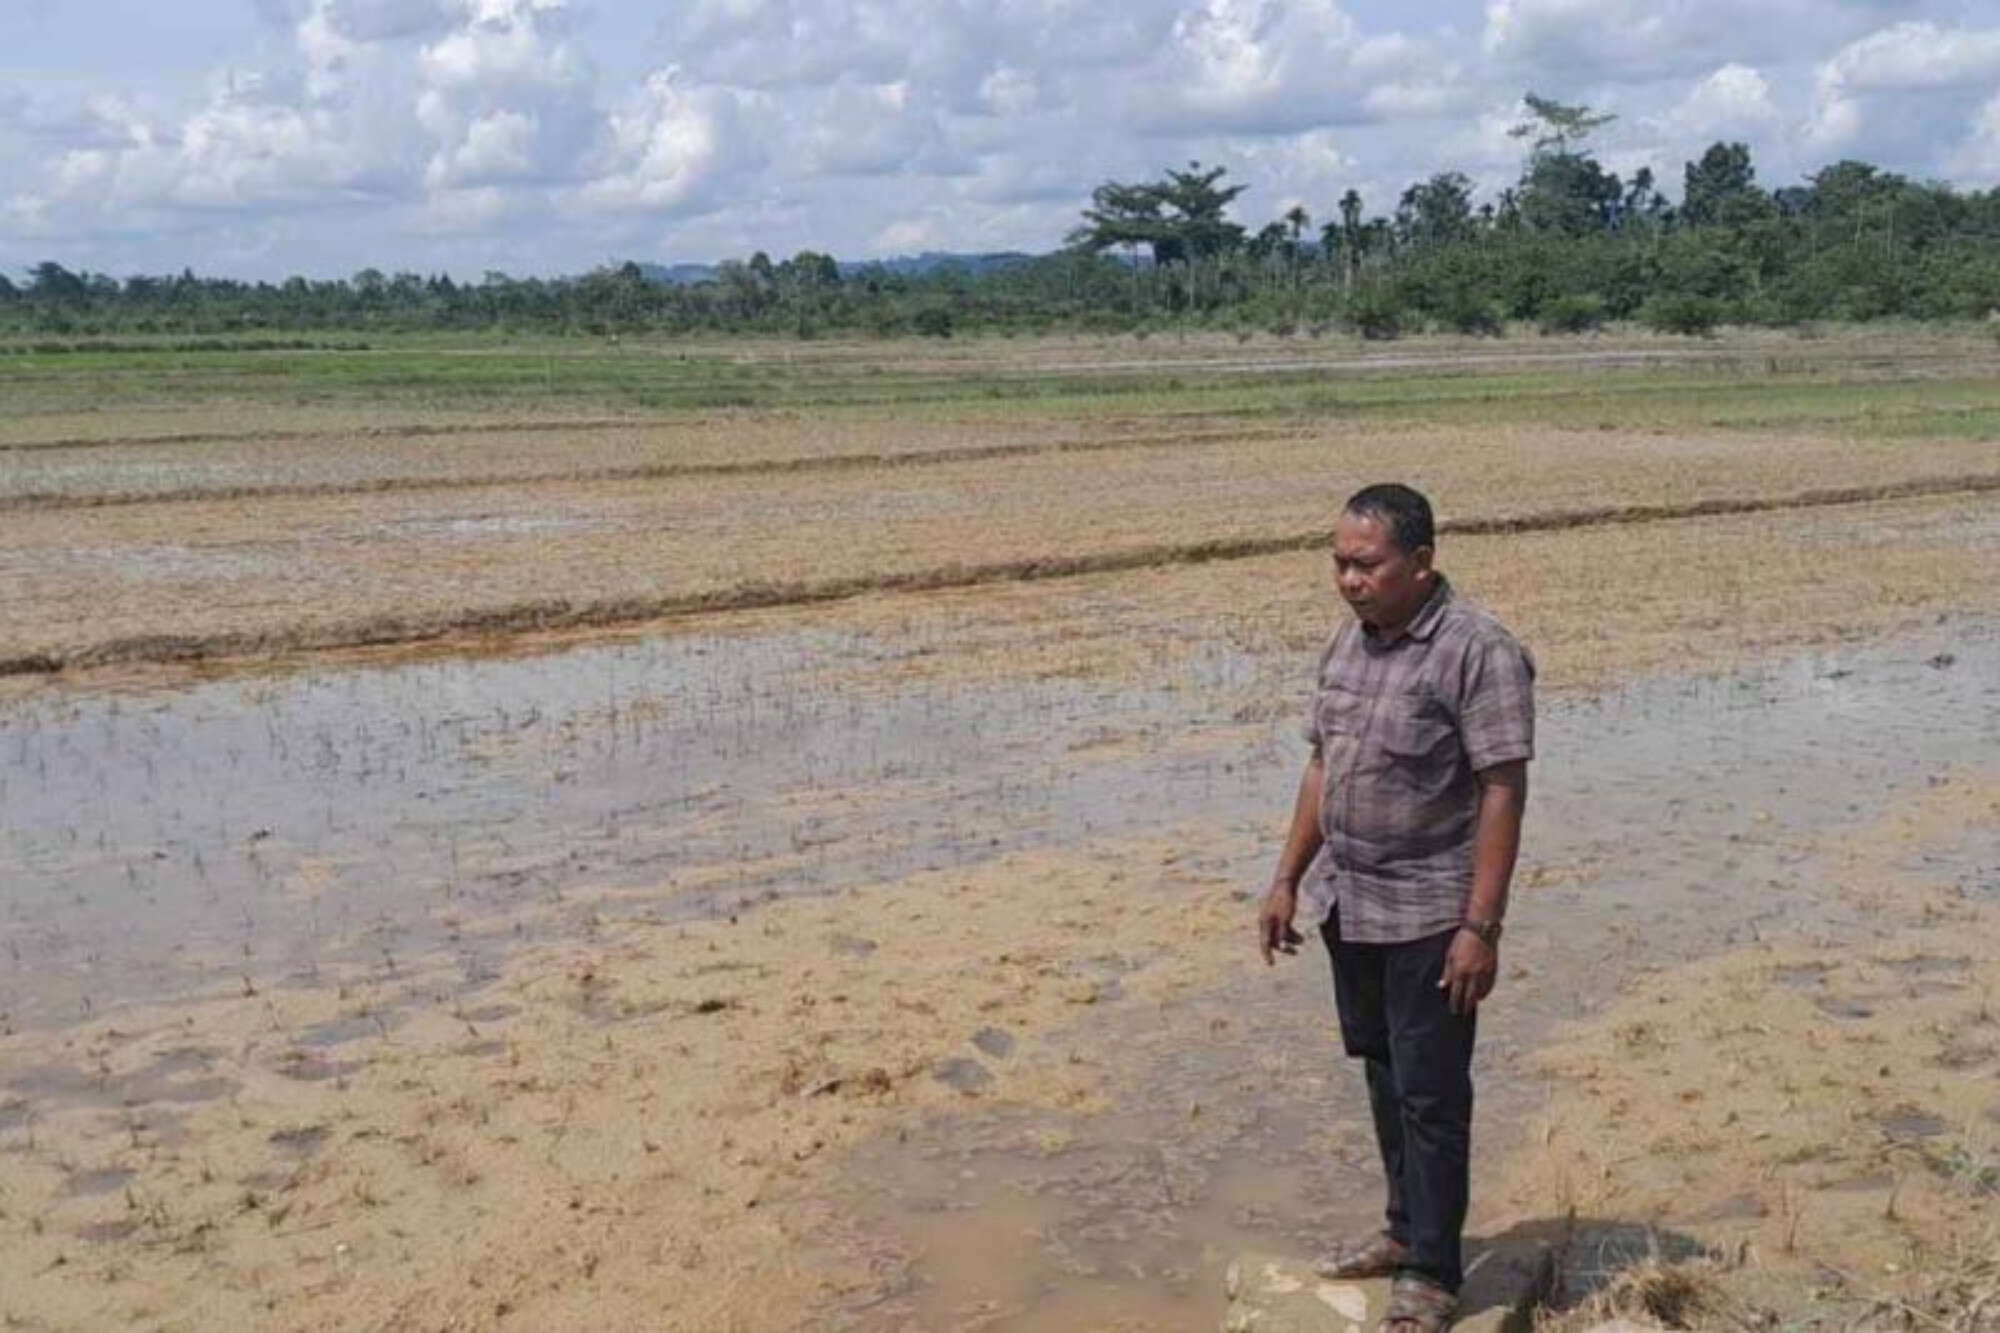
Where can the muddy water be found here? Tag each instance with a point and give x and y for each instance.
(163, 843)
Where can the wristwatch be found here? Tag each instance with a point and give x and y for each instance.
(1487, 931)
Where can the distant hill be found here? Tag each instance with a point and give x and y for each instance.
(929, 261)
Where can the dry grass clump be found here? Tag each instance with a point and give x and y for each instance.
(1683, 1294)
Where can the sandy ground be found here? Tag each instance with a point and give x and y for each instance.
(617, 1136)
(1815, 1119)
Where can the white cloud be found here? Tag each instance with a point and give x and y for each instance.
(1915, 56)
(1732, 103)
(1007, 91)
(1583, 42)
(909, 236)
(1900, 85)
(663, 149)
(513, 134)
(1978, 158)
(1285, 66)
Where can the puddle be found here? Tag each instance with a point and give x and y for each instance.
(474, 526)
(147, 564)
(91, 1184)
(1737, 1208)
(1969, 865)
(1930, 965)
(303, 1141)
(104, 1233)
(340, 1031)
(312, 1069)
(1907, 1124)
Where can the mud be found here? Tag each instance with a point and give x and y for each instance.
(409, 831)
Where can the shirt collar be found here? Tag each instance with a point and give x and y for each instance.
(1425, 622)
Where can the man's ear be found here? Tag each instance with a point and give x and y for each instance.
(1422, 557)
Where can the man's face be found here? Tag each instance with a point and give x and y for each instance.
(1385, 584)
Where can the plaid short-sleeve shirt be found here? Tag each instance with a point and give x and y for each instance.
(1402, 727)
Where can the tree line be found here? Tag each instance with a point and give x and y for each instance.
(1567, 247)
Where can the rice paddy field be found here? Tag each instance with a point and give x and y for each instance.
(766, 836)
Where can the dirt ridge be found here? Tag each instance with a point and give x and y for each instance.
(561, 614)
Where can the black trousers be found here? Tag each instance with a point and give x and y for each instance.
(1418, 1056)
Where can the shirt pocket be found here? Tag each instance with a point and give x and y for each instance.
(1340, 713)
(1413, 728)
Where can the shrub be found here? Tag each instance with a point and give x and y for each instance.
(1376, 313)
(1467, 312)
(1580, 313)
(932, 322)
(1690, 316)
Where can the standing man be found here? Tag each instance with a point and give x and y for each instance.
(1402, 844)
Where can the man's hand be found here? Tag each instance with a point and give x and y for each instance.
(1274, 922)
(1470, 969)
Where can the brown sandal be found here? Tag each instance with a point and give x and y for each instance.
(1354, 1260)
(1417, 1306)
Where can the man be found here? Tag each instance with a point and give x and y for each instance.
(1402, 844)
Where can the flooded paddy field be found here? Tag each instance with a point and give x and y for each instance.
(162, 843)
(886, 962)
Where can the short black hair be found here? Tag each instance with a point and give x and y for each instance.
(1403, 511)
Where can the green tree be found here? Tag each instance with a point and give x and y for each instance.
(1569, 193)
(1555, 126)
(1721, 189)
(1181, 218)
(1436, 212)
(1564, 189)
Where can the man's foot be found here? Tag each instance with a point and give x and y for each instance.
(1417, 1306)
(1351, 1261)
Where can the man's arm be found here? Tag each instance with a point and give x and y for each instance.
(1302, 842)
(1473, 965)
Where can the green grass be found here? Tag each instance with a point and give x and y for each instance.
(1877, 396)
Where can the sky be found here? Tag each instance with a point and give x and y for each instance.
(263, 138)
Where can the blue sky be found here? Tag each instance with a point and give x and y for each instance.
(260, 138)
